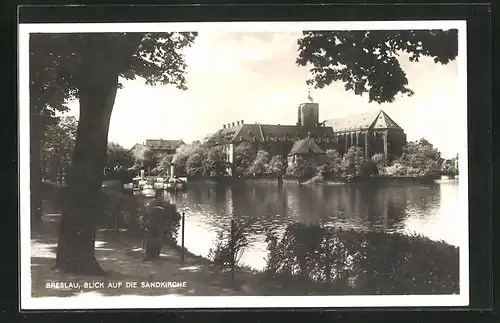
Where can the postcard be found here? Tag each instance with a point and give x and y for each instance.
(207, 165)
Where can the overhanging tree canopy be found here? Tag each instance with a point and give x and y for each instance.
(367, 61)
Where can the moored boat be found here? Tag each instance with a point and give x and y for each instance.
(175, 184)
(148, 190)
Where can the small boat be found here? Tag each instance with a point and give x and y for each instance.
(148, 190)
(158, 186)
(175, 184)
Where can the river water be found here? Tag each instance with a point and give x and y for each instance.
(429, 210)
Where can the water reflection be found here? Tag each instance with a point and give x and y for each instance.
(429, 210)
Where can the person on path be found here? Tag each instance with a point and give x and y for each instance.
(155, 229)
(157, 226)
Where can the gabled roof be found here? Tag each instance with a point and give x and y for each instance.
(305, 146)
(138, 147)
(139, 150)
(262, 132)
(369, 120)
(163, 144)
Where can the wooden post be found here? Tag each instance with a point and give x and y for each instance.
(117, 214)
(183, 232)
(367, 137)
(232, 250)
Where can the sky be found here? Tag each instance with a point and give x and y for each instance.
(253, 77)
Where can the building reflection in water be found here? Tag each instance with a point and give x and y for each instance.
(423, 209)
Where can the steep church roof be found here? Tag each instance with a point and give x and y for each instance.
(305, 146)
(368, 120)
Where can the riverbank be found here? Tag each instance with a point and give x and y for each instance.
(379, 179)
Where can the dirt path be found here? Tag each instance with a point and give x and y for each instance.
(122, 259)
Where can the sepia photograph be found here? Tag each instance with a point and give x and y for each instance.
(206, 165)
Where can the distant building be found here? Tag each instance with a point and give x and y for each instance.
(375, 132)
(309, 150)
(138, 150)
(163, 146)
(157, 146)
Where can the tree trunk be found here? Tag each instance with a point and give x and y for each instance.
(35, 167)
(75, 252)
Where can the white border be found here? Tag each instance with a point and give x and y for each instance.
(122, 302)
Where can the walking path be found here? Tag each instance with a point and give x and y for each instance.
(122, 259)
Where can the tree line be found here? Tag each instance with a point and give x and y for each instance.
(419, 158)
(57, 144)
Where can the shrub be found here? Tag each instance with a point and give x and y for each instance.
(220, 254)
(300, 168)
(260, 165)
(396, 169)
(278, 165)
(368, 168)
(349, 261)
(317, 179)
(121, 211)
(421, 158)
(380, 162)
(194, 165)
(130, 213)
(333, 162)
(352, 161)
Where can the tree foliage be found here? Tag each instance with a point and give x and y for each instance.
(164, 164)
(118, 156)
(278, 165)
(260, 164)
(367, 61)
(198, 159)
(352, 161)
(449, 166)
(213, 161)
(243, 156)
(194, 165)
(300, 168)
(156, 57)
(420, 158)
(56, 147)
(380, 161)
(333, 162)
(183, 152)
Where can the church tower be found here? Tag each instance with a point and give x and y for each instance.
(308, 113)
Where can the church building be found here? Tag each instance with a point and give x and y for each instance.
(374, 132)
